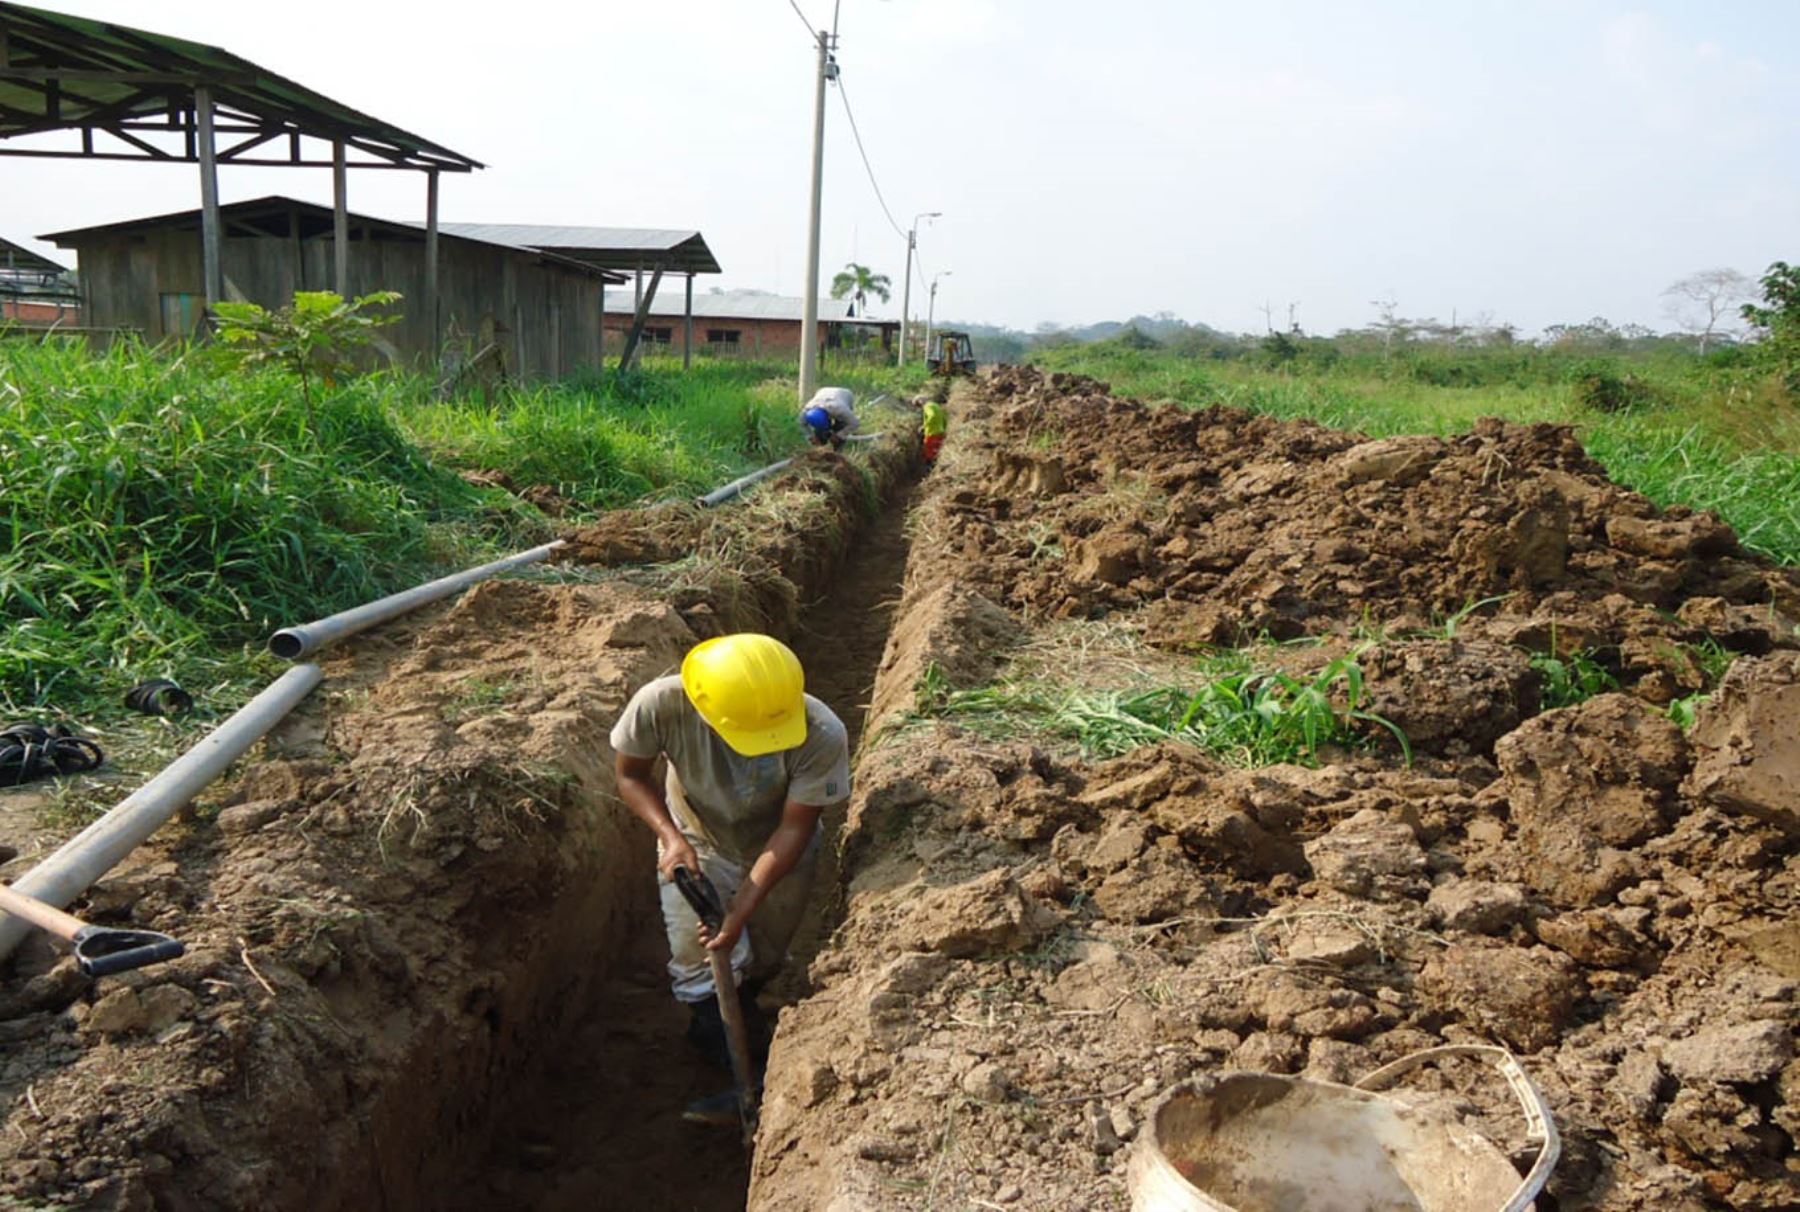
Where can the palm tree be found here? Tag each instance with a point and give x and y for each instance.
(859, 283)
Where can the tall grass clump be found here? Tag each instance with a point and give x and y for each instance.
(153, 510)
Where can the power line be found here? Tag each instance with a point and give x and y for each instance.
(875, 185)
(803, 21)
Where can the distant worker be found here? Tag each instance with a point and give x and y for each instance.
(753, 762)
(829, 417)
(933, 424)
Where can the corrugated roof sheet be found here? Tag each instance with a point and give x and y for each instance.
(732, 305)
(280, 203)
(20, 259)
(162, 70)
(679, 249)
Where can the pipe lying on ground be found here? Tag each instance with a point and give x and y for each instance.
(90, 854)
(292, 643)
(719, 496)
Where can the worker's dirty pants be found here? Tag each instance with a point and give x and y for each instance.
(761, 949)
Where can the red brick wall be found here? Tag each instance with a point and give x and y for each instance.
(22, 311)
(755, 337)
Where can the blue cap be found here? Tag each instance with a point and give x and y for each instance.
(816, 418)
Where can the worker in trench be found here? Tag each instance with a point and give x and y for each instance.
(830, 416)
(753, 763)
(932, 424)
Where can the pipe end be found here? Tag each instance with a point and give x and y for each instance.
(288, 644)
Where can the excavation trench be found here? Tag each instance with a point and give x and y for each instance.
(425, 969)
(600, 1117)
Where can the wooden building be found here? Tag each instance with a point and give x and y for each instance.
(541, 308)
(746, 323)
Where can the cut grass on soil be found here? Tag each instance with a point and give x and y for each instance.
(1242, 715)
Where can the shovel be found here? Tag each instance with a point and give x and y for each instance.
(99, 950)
(707, 906)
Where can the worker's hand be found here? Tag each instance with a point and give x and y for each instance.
(726, 938)
(675, 852)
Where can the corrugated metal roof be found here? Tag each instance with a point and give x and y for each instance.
(679, 249)
(114, 74)
(278, 203)
(732, 305)
(18, 258)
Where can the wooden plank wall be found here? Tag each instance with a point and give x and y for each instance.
(547, 315)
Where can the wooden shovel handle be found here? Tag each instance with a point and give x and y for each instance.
(47, 917)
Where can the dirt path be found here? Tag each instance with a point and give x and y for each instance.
(606, 1129)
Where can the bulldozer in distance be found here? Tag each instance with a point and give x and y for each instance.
(951, 353)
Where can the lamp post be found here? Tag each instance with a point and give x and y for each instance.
(931, 308)
(912, 240)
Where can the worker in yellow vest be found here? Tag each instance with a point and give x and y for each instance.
(934, 424)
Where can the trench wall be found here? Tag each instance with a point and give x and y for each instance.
(396, 917)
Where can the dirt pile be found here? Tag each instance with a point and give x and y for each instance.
(1035, 946)
(1230, 526)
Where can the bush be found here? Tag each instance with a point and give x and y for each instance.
(1599, 387)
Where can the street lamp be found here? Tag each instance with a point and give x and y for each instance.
(931, 308)
(912, 240)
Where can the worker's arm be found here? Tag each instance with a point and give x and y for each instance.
(638, 788)
(779, 855)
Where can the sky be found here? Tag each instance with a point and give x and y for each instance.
(1524, 161)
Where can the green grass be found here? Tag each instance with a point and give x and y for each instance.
(1241, 714)
(1572, 678)
(1706, 439)
(159, 515)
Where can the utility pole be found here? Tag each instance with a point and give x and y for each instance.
(912, 240)
(931, 310)
(809, 327)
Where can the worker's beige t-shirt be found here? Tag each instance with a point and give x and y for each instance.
(718, 795)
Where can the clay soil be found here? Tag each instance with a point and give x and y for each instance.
(424, 972)
(1037, 944)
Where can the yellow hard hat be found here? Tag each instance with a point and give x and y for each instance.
(750, 689)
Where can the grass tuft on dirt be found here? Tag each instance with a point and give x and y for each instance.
(1244, 715)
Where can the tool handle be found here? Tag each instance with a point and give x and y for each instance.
(702, 896)
(43, 916)
(103, 952)
(737, 1038)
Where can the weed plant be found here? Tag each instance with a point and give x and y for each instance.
(1572, 678)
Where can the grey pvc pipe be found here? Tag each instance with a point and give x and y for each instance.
(719, 496)
(90, 854)
(292, 643)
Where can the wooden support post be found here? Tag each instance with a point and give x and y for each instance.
(212, 268)
(637, 323)
(431, 265)
(340, 220)
(687, 327)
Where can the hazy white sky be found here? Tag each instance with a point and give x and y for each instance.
(1538, 161)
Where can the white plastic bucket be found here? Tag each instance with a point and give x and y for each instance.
(1261, 1142)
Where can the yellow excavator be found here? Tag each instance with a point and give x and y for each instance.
(951, 353)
